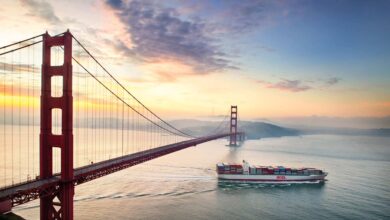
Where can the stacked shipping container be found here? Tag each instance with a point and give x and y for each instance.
(226, 168)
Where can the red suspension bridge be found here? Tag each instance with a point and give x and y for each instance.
(67, 120)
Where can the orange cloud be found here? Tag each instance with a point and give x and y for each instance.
(168, 70)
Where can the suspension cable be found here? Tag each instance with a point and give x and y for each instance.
(20, 41)
(28, 45)
(122, 100)
(216, 130)
(10, 51)
(127, 91)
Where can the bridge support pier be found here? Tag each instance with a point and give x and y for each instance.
(58, 203)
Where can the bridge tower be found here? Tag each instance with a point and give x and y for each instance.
(58, 204)
(233, 125)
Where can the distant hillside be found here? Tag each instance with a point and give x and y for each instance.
(331, 122)
(254, 130)
(384, 132)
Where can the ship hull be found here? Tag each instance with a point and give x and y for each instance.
(271, 178)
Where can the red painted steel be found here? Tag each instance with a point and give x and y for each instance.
(233, 125)
(63, 208)
(56, 191)
(29, 191)
(5, 206)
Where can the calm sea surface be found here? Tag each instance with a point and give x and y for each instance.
(183, 185)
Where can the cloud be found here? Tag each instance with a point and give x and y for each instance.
(41, 9)
(287, 85)
(245, 15)
(167, 70)
(332, 81)
(18, 68)
(14, 90)
(267, 49)
(159, 34)
(240, 17)
(299, 85)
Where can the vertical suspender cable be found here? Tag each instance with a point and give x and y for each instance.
(4, 125)
(133, 131)
(127, 131)
(94, 119)
(85, 121)
(20, 114)
(28, 113)
(98, 119)
(12, 119)
(123, 115)
(77, 114)
(88, 119)
(104, 126)
(33, 111)
(117, 127)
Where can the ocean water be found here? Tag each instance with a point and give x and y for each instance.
(183, 185)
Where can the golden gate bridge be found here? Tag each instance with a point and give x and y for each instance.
(67, 120)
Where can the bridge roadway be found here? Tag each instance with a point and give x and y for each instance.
(28, 191)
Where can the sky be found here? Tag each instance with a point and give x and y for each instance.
(274, 59)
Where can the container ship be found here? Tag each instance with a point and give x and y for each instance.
(279, 174)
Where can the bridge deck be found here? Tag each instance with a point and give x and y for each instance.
(25, 192)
